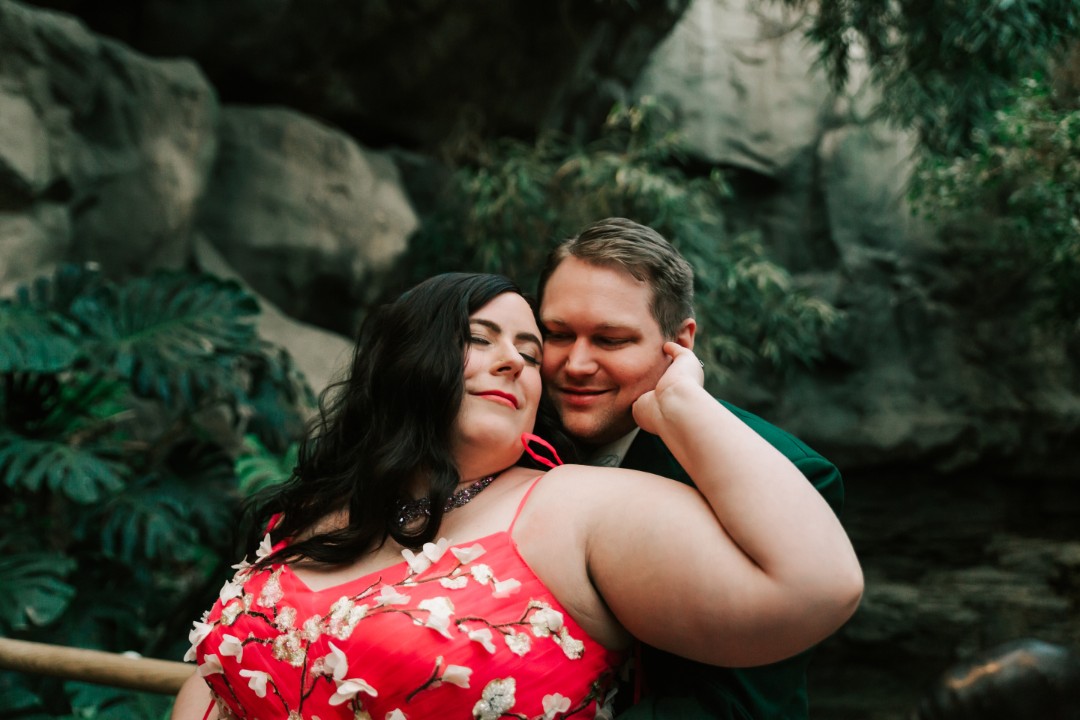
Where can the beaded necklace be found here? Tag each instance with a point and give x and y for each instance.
(410, 511)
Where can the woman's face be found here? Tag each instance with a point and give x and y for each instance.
(502, 379)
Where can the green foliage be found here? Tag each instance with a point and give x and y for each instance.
(1011, 206)
(943, 67)
(258, 468)
(123, 407)
(512, 201)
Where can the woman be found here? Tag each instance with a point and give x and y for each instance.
(517, 595)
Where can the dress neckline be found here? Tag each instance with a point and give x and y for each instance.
(389, 568)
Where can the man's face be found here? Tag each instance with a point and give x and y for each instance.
(602, 347)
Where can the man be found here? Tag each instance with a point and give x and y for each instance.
(609, 298)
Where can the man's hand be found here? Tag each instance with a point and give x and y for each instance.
(684, 371)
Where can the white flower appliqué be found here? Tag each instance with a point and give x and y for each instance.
(505, 588)
(389, 595)
(336, 663)
(265, 548)
(256, 681)
(496, 699)
(198, 633)
(211, 664)
(417, 563)
(555, 704)
(467, 555)
(455, 674)
(519, 643)
(484, 637)
(232, 646)
(348, 689)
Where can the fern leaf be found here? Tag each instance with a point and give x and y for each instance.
(148, 525)
(259, 468)
(76, 472)
(35, 592)
(33, 341)
(174, 336)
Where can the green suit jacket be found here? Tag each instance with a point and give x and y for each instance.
(680, 688)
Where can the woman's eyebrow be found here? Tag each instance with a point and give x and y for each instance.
(495, 328)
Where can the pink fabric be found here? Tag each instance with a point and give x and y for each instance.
(404, 639)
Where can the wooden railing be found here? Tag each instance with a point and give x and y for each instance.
(94, 666)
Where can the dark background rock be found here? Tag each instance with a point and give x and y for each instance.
(290, 144)
(410, 73)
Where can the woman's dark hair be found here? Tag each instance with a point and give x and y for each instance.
(1015, 681)
(387, 423)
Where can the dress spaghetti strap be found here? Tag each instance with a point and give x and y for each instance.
(521, 505)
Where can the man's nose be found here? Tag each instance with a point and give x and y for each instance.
(579, 360)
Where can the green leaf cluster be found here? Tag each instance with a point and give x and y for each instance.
(123, 409)
(944, 66)
(511, 201)
(1010, 208)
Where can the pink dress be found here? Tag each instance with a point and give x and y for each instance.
(463, 631)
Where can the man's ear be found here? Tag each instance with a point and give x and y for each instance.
(685, 334)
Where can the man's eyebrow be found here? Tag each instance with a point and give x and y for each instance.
(495, 328)
(601, 327)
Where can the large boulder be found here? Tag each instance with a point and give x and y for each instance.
(303, 212)
(103, 152)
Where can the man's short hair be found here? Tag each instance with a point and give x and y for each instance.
(642, 252)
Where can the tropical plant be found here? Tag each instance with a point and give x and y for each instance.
(1010, 207)
(123, 406)
(510, 201)
(943, 68)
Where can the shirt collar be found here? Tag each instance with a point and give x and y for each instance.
(612, 454)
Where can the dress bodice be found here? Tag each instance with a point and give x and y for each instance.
(462, 630)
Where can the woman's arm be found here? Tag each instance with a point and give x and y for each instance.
(193, 700)
(753, 569)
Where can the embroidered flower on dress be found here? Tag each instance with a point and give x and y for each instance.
(571, 647)
(454, 674)
(231, 612)
(256, 681)
(199, 631)
(417, 563)
(231, 646)
(440, 610)
(211, 664)
(344, 617)
(265, 548)
(336, 663)
(496, 699)
(555, 704)
(243, 569)
(467, 555)
(272, 593)
(311, 630)
(482, 573)
(545, 620)
(389, 595)
(484, 637)
(230, 590)
(434, 551)
(505, 588)
(286, 618)
(454, 583)
(519, 643)
(287, 647)
(348, 689)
